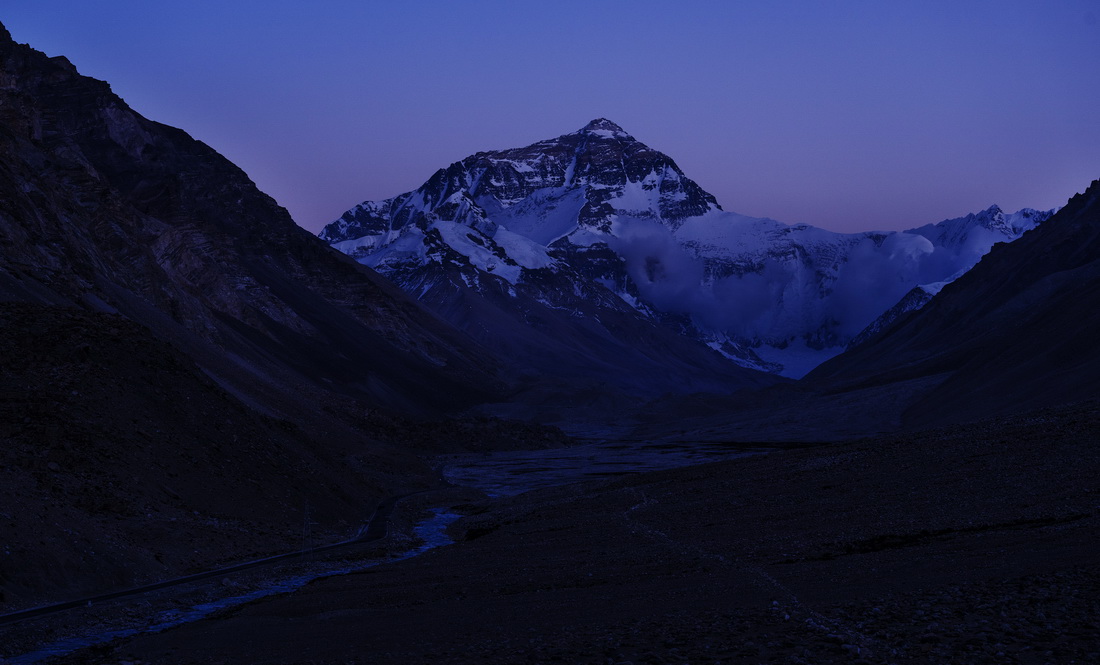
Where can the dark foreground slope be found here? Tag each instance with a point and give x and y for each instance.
(973, 544)
(123, 463)
(182, 369)
(1019, 330)
(104, 208)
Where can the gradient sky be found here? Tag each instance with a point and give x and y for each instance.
(845, 115)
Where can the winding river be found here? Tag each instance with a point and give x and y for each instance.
(497, 474)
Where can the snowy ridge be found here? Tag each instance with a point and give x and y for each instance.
(605, 212)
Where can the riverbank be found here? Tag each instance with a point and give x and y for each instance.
(402, 527)
(965, 544)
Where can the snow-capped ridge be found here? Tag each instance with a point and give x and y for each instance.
(611, 216)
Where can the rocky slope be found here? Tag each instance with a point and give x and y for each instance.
(596, 222)
(104, 208)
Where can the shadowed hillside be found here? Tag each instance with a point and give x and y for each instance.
(1018, 331)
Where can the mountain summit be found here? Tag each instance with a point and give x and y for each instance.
(603, 125)
(599, 213)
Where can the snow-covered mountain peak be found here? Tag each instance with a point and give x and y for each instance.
(599, 213)
(992, 217)
(605, 128)
(580, 182)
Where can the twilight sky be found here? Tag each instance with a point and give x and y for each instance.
(846, 115)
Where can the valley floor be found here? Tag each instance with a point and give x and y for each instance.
(969, 544)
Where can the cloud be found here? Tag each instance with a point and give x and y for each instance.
(787, 296)
(665, 274)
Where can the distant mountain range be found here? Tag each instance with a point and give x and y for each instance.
(1020, 330)
(596, 222)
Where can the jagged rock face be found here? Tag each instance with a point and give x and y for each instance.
(604, 211)
(103, 207)
(599, 160)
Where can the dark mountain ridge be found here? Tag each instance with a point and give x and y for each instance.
(107, 209)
